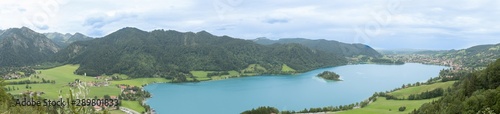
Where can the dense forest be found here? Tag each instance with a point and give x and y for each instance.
(330, 46)
(20, 47)
(24, 47)
(173, 54)
(477, 92)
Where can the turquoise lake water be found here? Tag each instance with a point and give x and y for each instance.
(285, 92)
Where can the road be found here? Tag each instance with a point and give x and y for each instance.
(129, 111)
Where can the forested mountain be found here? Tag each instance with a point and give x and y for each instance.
(161, 53)
(331, 46)
(476, 93)
(23, 46)
(64, 40)
(476, 56)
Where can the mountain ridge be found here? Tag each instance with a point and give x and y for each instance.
(167, 53)
(331, 46)
(23, 46)
(63, 40)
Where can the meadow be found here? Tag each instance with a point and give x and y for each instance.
(63, 75)
(383, 106)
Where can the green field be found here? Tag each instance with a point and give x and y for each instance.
(64, 74)
(134, 105)
(286, 68)
(254, 68)
(202, 75)
(116, 112)
(419, 89)
(382, 106)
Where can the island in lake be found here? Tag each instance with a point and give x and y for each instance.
(328, 75)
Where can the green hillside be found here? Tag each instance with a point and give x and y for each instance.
(330, 46)
(476, 93)
(172, 55)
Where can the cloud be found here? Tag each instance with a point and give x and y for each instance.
(100, 20)
(414, 24)
(273, 21)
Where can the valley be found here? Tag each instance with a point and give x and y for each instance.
(121, 66)
(249, 57)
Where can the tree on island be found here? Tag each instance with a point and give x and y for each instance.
(328, 75)
(262, 110)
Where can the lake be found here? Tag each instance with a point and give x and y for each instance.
(285, 92)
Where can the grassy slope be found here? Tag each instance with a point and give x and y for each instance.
(134, 105)
(253, 68)
(202, 75)
(412, 90)
(64, 74)
(382, 106)
(286, 68)
(116, 112)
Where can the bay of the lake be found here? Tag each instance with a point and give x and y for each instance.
(285, 92)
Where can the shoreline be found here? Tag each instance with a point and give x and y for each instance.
(240, 76)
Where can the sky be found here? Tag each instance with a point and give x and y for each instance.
(381, 24)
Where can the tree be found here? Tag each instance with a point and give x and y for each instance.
(401, 109)
(263, 110)
(107, 96)
(473, 93)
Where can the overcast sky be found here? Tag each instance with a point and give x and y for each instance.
(382, 24)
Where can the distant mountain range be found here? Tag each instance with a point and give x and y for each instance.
(331, 46)
(63, 40)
